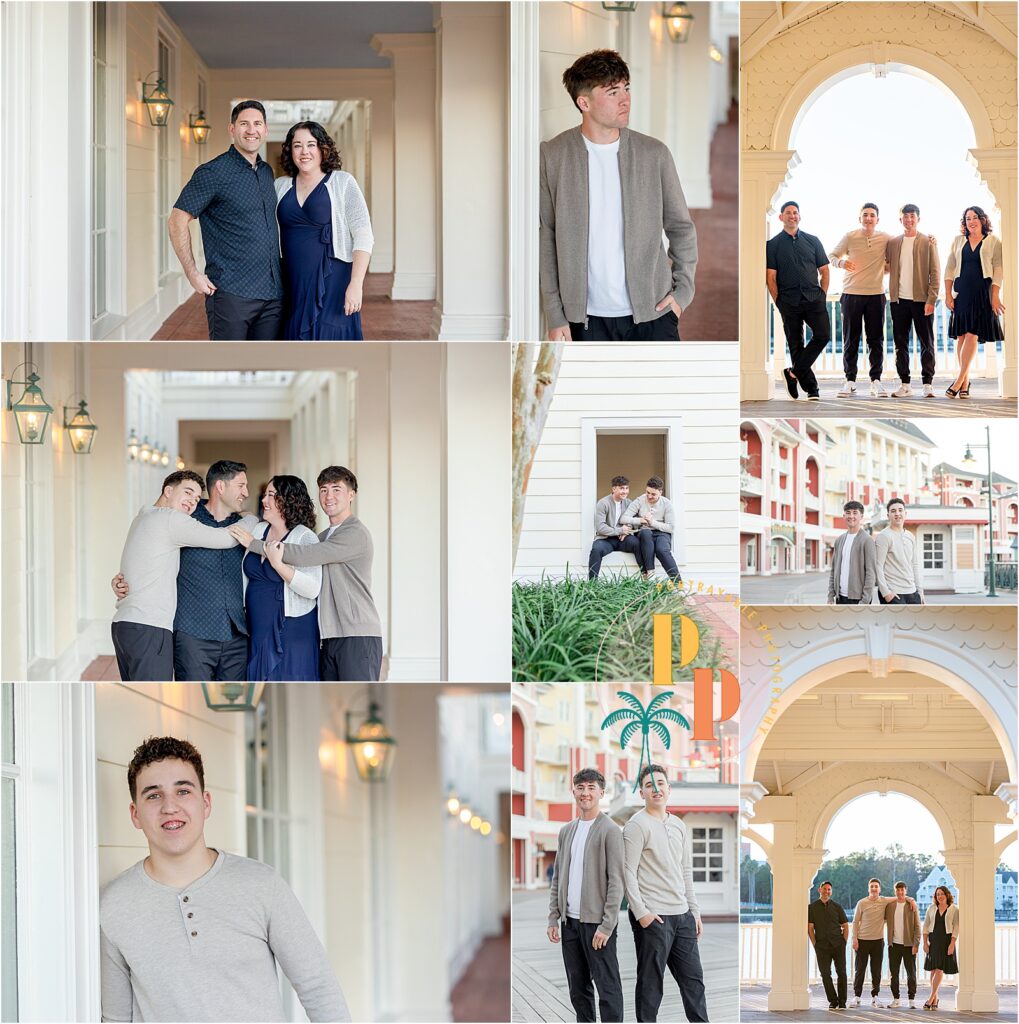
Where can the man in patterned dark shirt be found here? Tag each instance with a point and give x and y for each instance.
(210, 633)
(234, 199)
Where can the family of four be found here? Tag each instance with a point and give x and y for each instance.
(209, 594)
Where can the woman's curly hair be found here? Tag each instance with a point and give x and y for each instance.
(294, 502)
(330, 154)
(985, 221)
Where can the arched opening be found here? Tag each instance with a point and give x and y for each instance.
(782, 554)
(518, 797)
(937, 173)
(840, 749)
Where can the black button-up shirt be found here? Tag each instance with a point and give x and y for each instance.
(827, 919)
(235, 204)
(210, 591)
(797, 259)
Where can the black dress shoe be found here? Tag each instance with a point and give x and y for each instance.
(790, 383)
(813, 396)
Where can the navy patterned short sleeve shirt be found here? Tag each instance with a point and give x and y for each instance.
(235, 204)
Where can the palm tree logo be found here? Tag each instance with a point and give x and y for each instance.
(648, 720)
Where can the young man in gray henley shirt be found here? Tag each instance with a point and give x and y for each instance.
(664, 913)
(600, 282)
(143, 622)
(195, 934)
(348, 622)
(584, 899)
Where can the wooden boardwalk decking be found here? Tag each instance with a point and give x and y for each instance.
(983, 403)
(539, 980)
(754, 1007)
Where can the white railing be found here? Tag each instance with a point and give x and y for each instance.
(812, 501)
(519, 781)
(755, 941)
(553, 753)
(749, 484)
(829, 363)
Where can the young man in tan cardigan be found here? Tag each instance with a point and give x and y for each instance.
(914, 278)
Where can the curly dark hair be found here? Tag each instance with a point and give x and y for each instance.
(985, 224)
(948, 895)
(599, 67)
(163, 748)
(330, 154)
(293, 501)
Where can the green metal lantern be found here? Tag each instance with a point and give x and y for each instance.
(372, 747)
(80, 428)
(232, 696)
(157, 102)
(678, 21)
(31, 411)
(200, 128)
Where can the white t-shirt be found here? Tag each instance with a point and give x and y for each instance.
(906, 268)
(620, 509)
(576, 879)
(898, 925)
(607, 294)
(847, 550)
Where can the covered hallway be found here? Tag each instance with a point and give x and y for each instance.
(405, 89)
(419, 425)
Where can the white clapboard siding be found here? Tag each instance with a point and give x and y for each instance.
(691, 386)
(127, 714)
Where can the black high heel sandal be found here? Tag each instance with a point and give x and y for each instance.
(952, 392)
(964, 392)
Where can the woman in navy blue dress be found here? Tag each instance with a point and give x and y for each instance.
(325, 237)
(280, 601)
(973, 278)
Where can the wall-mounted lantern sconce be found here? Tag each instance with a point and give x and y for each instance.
(232, 696)
(80, 428)
(133, 446)
(31, 410)
(678, 20)
(157, 100)
(453, 803)
(180, 463)
(145, 452)
(200, 128)
(372, 747)
(619, 5)
(715, 53)
(164, 458)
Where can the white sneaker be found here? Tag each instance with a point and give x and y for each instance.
(894, 1002)
(902, 391)
(876, 390)
(848, 389)
(855, 1001)
(912, 1002)
(928, 391)
(874, 1002)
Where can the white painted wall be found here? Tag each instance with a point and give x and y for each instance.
(692, 384)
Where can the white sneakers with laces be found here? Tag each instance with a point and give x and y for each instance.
(848, 389)
(902, 391)
(876, 390)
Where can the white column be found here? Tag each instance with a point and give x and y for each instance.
(415, 513)
(477, 513)
(413, 58)
(473, 80)
(689, 71)
(762, 175)
(46, 246)
(997, 167)
(525, 308)
(793, 872)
